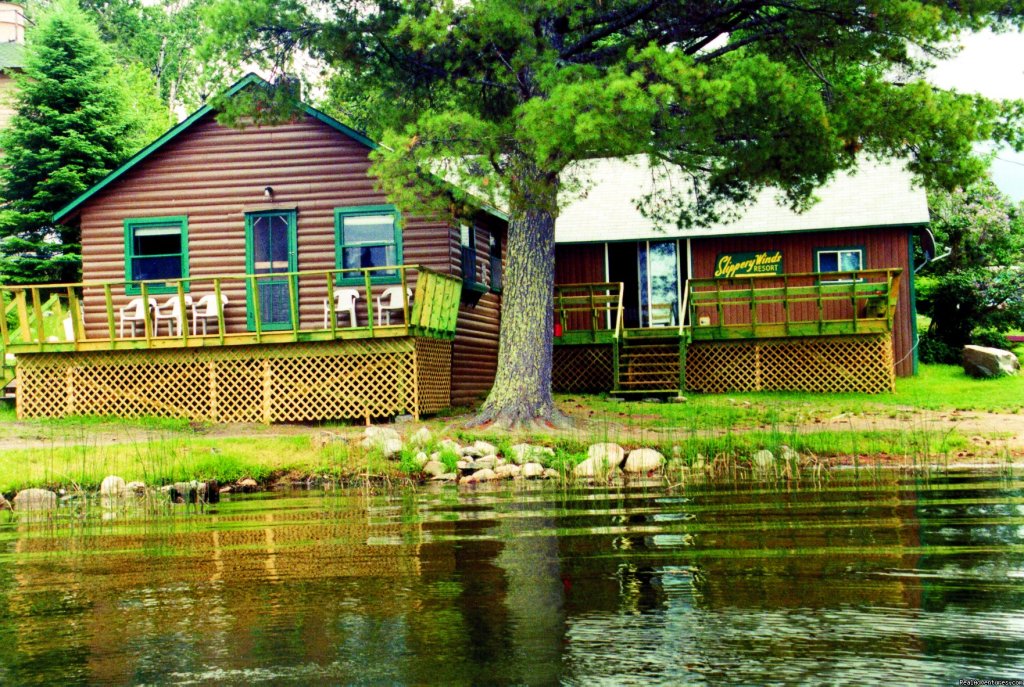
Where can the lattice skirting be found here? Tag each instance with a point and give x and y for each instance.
(825, 364)
(272, 383)
(577, 369)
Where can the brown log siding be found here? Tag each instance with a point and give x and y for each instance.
(214, 175)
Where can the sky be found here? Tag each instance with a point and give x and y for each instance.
(992, 65)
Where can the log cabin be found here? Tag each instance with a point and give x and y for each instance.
(258, 274)
(820, 300)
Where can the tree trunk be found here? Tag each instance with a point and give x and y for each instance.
(521, 395)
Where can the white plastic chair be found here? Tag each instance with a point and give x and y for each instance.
(170, 312)
(205, 310)
(134, 312)
(344, 302)
(390, 300)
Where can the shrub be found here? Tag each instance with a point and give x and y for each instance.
(930, 349)
(992, 338)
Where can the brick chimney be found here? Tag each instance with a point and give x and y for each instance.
(12, 23)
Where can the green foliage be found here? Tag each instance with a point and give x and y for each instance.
(449, 459)
(980, 225)
(69, 131)
(964, 300)
(931, 349)
(993, 338)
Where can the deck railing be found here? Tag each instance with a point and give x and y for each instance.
(588, 309)
(91, 316)
(806, 304)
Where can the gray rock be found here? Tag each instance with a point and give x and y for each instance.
(679, 399)
(525, 453)
(113, 486)
(485, 475)
(608, 453)
(485, 448)
(595, 467)
(420, 459)
(465, 465)
(471, 452)
(137, 488)
(450, 445)
(35, 499)
(421, 437)
(446, 477)
(643, 460)
(403, 419)
(788, 455)
(247, 484)
(550, 473)
(533, 470)
(763, 459)
(980, 361)
(375, 432)
(434, 468)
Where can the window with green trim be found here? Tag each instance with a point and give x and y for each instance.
(368, 236)
(155, 249)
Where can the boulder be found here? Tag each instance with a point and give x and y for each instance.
(550, 473)
(35, 499)
(525, 453)
(763, 460)
(136, 487)
(421, 437)
(420, 459)
(485, 448)
(470, 452)
(489, 461)
(509, 470)
(434, 468)
(644, 460)
(465, 464)
(247, 484)
(445, 477)
(607, 453)
(596, 466)
(485, 475)
(533, 470)
(980, 361)
(113, 486)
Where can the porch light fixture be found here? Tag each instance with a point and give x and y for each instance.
(268, 191)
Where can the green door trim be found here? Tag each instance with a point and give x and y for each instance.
(250, 268)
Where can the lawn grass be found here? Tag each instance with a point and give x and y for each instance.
(82, 451)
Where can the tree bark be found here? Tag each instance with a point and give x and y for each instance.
(521, 395)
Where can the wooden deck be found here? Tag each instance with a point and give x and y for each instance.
(740, 334)
(55, 319)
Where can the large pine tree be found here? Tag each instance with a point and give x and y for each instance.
(69, 131)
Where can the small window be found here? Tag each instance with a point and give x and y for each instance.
(839, 260)
(156, 249)
(495, 250)
(467, 237)
(367, 237)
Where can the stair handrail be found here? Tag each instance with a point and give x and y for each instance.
(618, 313)
(684, 311)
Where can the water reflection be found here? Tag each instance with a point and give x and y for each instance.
(737, 583)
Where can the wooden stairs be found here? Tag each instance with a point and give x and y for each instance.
(650, 363)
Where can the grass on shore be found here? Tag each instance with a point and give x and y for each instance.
(82, 451)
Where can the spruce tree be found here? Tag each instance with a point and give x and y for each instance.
(69, 131)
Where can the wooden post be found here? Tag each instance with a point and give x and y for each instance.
(147, 321)
(23, 325)
(293, 304)
(331, 305)
(405, 299)
(257, 318)
(75, 308)
(37, 310)
(369, 303)
(220, 310)
(183, 322)
(5, 335)
(109, 300)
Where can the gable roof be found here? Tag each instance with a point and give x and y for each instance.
(877, 194)
(71, 208)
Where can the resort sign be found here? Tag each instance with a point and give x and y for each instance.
(763, 264)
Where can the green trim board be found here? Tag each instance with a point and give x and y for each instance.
(914, 336)
(132, 228)
(344, 213)
(725, 234)
(172, 133)
(268, 286)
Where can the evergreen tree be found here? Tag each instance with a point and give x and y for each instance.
(69, 131)
(742, 94)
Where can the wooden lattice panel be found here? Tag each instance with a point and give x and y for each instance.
(272, 383)
(433, 374)
(577, 369)
(823, 365)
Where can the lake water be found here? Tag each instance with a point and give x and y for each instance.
(882, 578)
